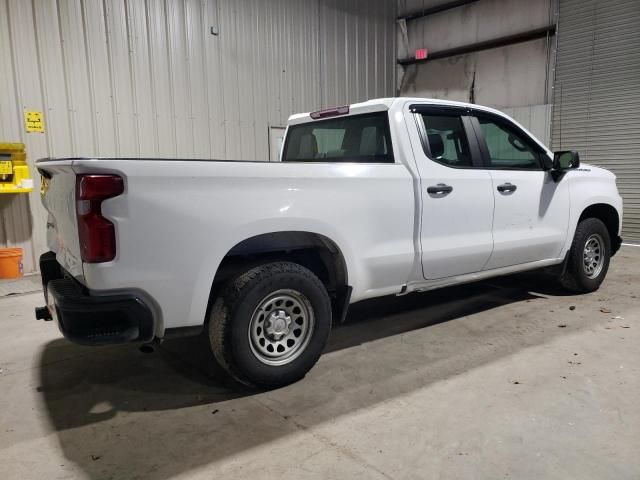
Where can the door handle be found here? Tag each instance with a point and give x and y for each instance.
(507, 187)
(439, 189)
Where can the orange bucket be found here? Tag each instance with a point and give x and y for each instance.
(10, 262)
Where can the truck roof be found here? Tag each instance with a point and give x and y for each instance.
(383, 104)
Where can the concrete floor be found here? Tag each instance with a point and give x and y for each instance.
(501, 379)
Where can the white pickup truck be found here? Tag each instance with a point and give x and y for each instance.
(384, 197)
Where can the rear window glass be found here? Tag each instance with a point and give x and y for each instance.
(358, 138)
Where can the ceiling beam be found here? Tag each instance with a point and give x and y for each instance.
(435, 9)
(543, 32)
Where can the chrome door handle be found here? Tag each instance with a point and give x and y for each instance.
(439, 189)
(507, 187)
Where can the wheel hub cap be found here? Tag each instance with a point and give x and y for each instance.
(593, 256)
(277, 325)
(281, 327)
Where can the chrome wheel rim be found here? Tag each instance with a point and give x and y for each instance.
(593, 256)
(281, 327)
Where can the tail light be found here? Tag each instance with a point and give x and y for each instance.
(97, 234)
(330, 112)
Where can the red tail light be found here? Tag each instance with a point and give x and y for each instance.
(97, 234)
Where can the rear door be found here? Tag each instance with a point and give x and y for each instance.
(531, 214)
(457, 196)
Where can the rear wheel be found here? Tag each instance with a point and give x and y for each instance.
(588, 259)
(270, 325)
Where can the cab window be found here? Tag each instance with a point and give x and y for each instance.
(507, 148)
(356, 138)
(447, 140)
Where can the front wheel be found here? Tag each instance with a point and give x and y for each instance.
(588, 258)
(270, 325)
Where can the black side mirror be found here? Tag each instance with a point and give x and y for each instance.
(567, 160)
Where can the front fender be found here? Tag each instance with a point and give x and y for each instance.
(591, 186)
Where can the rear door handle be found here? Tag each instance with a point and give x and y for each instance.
(507, 187)
(439, 189)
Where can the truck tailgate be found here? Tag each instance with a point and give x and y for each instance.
(58, 197)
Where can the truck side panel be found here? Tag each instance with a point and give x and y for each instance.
(177, 220)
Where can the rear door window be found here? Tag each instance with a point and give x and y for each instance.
(357, 138)
(447, 140)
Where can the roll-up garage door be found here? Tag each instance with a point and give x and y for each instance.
(597, 93)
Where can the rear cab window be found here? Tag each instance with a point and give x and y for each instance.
(356, 138)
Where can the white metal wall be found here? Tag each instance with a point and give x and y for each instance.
(148, 78)
(597, 93)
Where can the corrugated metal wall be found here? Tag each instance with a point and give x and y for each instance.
(597, 93)
(148, 78)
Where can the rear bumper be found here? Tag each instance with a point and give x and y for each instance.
(93, 319)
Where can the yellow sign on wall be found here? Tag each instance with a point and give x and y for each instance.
(33, 121)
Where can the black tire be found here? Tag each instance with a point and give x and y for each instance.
(230, 324)
(575, 277)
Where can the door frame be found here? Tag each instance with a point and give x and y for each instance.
(462, 112)
(544, 170)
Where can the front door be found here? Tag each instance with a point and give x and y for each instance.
(531, 214)
(457, 197)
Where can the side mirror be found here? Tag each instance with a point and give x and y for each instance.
(566, 160)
